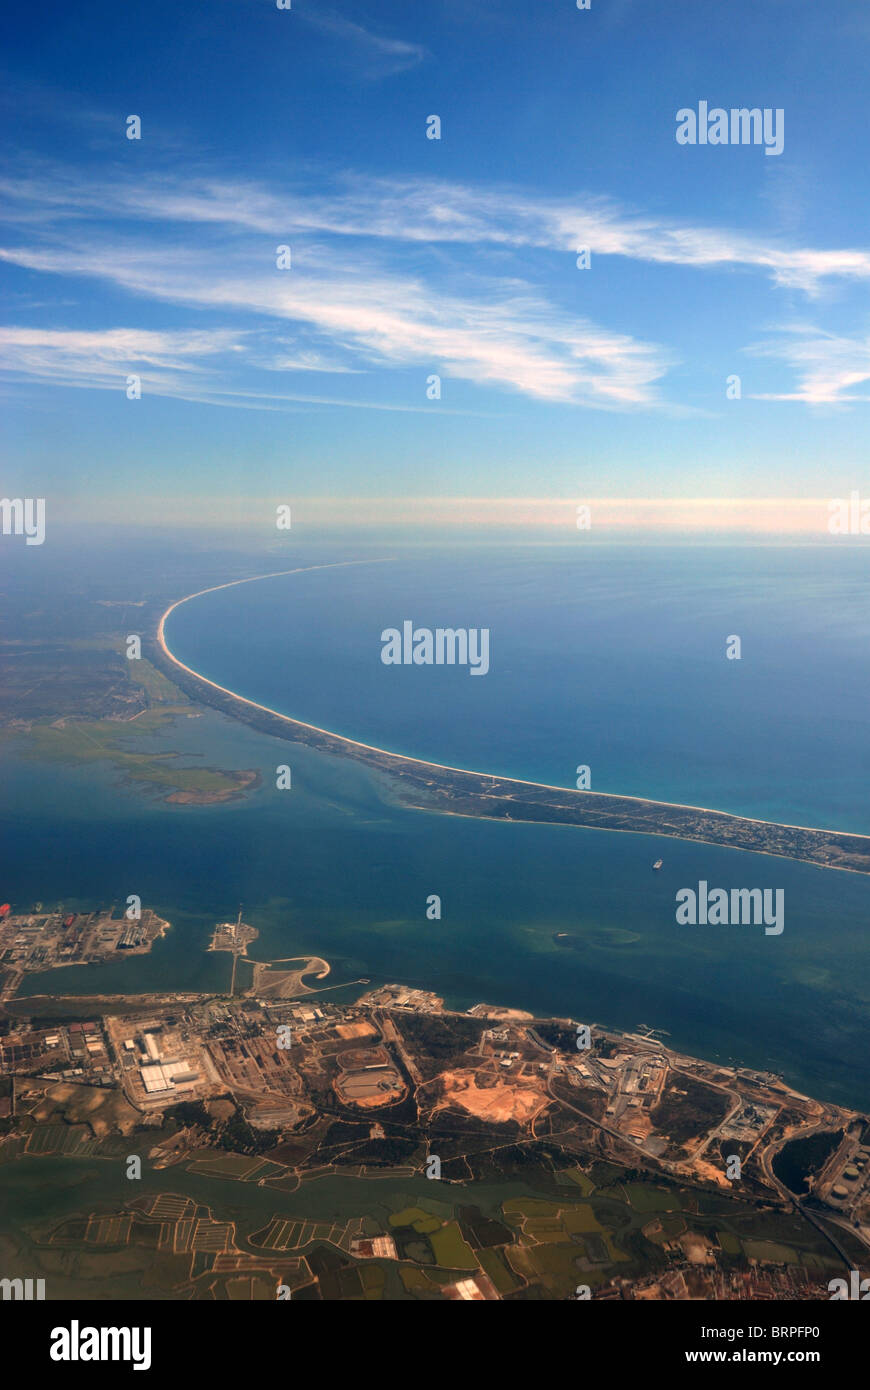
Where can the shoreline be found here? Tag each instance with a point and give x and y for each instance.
(586, 808)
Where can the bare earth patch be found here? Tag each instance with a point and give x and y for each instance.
(506, 1100)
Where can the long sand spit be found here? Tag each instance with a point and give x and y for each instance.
(460, 791)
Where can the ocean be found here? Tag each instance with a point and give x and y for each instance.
(610, 657)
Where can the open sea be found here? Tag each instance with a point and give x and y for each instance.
(608, 656)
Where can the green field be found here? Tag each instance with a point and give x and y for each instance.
(644, 1197)
(769, 1250)
(451, 1251)
(578, 1178)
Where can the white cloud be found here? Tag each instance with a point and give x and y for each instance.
(505, 336)
(103, 358)
(432, 211)
(380, 56)
(364, 304)
(831, 368)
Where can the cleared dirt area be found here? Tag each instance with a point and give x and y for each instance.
(269, 983)
(356, 1030)
(381, 1085)
(505, 1100)
(104, 1110)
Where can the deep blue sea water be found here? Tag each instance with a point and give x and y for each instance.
(608, 656)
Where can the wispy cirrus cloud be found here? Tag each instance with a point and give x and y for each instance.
(101, 358)
(377, 54)
(832, 368)
(434, 211)
(510, 338)
(187, 366)
(208, 243)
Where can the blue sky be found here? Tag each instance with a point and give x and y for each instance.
(413, 257)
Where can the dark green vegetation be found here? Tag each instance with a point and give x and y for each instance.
(801, 1159)
(556, 1033)
(238, 1136)
(559, 1034)
(188, 1112)
(688, 1108)
(438, 1039)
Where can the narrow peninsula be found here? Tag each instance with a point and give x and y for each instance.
(457, 791)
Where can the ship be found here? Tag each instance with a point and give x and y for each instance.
(658, 864)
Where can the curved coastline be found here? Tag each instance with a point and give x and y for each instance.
(461, 791)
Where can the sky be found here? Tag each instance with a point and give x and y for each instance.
(413, 258)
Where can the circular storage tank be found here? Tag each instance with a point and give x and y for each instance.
(850, 1172)
(840, 1190)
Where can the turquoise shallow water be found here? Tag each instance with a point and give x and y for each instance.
(334, 867)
